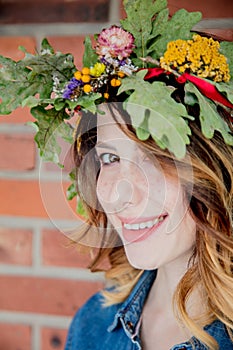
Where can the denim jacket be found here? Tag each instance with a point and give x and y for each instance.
(116, 327)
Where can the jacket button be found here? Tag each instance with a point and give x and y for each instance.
(130, 326)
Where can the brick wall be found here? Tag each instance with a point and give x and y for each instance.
(42, 281)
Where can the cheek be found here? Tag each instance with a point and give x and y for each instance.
(106, 191)
(102, 189)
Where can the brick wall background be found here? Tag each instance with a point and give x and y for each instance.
(42, 281)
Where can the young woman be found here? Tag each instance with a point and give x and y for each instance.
(153, 157)
(166, 225)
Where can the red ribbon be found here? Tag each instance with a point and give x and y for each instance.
(206, 88)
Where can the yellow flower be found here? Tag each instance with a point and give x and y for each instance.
(200, 56)
(86, 78)
(98, 69)
(121, 74)
(106, 95)
(115, 82)
(86, 70)
(78, 75)
(87, 88)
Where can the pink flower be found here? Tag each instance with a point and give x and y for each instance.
(114, 42)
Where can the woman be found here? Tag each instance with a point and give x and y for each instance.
(154, 173)
(173, 218)
(153, 156)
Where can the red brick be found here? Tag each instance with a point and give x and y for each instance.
(57, 251)
(19, 116)
(52, 338)
(69, 44)
(54, 199)
(44, 295)
(33, 199)
(209, 8)
(21, 198)
(17, 152)
(15, 337)
(9, 46)
(15, 246)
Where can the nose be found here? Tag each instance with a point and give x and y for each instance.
(125, 193)
(129, 187)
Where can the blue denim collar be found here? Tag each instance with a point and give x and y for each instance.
(129, 313)
(128, 317)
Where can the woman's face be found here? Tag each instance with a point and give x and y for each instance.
(146, 206)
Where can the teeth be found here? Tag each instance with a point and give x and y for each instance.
(142, 225)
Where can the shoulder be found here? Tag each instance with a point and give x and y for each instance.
(219, 332)
(90, 324)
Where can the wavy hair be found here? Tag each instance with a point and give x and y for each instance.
(208, 185)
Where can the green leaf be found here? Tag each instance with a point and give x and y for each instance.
(51, 127)
(71, 192)
(30, 102)
(155, 107)
(209, 117)
(32, 76)
(139, 21)
(46, 47)
(59, 103)
(226, 48)
(160, 23)
(226, 88)
(178, 27)
(190, 99)
(142, 132)
(87, 102)
(80, 209)
(89, 57)
(14, 87)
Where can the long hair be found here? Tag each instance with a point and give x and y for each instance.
(208, 185)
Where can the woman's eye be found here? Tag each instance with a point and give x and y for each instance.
(108, 158)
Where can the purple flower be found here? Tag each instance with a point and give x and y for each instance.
(71, 88)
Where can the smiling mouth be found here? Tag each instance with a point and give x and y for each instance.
(139, 231)
(145, 224)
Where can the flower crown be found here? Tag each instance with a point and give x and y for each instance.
(128, 59)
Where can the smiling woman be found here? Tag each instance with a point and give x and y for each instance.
(153, 150)
(173, 218)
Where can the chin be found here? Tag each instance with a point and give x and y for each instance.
(141, 264)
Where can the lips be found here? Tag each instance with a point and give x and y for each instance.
(136, 231)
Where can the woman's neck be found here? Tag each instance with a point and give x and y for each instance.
(159, 324)
(167, 280)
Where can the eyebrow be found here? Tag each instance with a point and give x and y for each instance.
(105, 145)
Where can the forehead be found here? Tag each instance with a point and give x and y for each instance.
(108, 127)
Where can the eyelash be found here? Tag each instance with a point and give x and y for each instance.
(112, 158)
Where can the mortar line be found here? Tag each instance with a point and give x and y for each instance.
(11, 129)
(52, 272)
(31, 222)
(53, 176)
(114, 11)
(40, 31)
(36, 337)
(39, 320)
